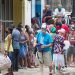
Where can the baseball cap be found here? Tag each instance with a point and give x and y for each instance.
(61, 30)
(53, 30)
(43, 25)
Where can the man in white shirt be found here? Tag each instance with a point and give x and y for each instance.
(60, 11)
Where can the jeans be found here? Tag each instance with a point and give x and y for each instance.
(16, 59)
(11, 57)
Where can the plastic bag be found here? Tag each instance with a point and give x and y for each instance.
(5, 62)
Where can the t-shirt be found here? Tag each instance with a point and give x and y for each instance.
(64, 26)
(59, 13)
(16, 39)
(58, 44)
(47, 13)
(44, 39)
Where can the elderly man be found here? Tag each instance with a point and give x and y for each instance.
(44, 42)
(59, 11)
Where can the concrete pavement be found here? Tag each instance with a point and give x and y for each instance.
(36, 71)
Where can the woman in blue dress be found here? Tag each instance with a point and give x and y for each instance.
(23, 50)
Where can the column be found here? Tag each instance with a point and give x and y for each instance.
(29, 13)
(23, 12)
(17, 11)
(26, 13)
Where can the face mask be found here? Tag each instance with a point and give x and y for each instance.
(59, 8)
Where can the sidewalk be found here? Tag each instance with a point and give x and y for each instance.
(36, 71)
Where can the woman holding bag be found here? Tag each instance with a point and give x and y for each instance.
(9, 48)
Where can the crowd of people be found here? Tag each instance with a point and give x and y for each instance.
(32, 47)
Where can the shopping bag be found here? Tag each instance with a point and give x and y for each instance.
(5, 62)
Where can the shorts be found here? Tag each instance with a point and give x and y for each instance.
(45, 58)
(58, 59)
(22, 51)
(71, 50)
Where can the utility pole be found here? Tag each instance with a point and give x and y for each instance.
(73, 10)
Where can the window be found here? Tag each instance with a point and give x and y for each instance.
(6, 14)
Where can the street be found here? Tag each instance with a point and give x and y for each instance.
(36, 71)
(37, 32)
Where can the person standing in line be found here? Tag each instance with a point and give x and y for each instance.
(8, 48)
(16, 46)
(23, 50)
(45, 41)
(28, 44)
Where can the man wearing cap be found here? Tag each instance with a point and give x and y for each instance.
(44, 54)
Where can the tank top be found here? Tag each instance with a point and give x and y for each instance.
(6, 44)
(22, 38)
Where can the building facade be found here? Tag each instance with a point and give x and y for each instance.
(14, 12)
(67, 4)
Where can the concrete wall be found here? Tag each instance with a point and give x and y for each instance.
(26, 12)
(17, 11)
(42, 7)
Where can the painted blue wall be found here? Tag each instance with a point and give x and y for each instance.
(38, 8)
(33, 8)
